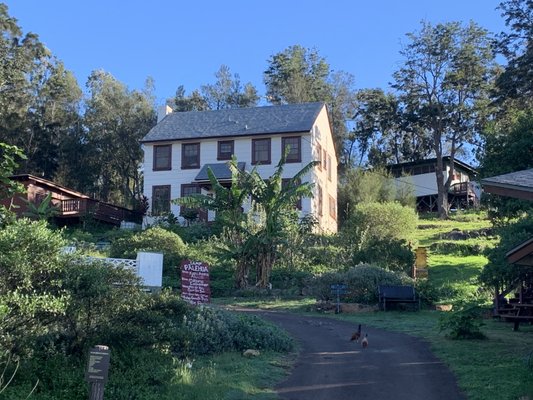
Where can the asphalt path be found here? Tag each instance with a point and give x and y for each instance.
(394, 366)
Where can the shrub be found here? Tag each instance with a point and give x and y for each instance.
(154, 239)
(465, 323)
(388, 253)
(362, 283)
(31, 283)
(215, 331)
(381, 221)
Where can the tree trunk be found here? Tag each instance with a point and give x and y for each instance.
(241, 275)
(442, 193)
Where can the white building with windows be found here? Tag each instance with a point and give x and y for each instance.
(180, 148)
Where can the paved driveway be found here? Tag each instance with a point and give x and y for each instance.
(395, 366)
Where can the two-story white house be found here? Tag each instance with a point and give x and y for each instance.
(421, 178)
(180, 148)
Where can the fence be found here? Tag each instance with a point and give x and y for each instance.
(147, 266)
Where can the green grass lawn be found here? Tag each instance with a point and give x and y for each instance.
(230, 376)
(495, 368)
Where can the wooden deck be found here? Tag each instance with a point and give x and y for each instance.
(77, 208)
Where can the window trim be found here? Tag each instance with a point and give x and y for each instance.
(329, 169)
(167, 167)
(332, 207)
(298, 158)
(154, 189)
(320, 199)
(222, 156)
(298, 204)
(254, 160)
(183, 166)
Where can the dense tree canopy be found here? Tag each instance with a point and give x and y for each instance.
(226, 92)
(516, 81)
(299, 75)
(444, 85)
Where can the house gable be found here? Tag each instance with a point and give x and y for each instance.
(256, 137)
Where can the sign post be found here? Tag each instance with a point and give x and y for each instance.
(195, 282)
(97, 371)
(421, 263)
(338, 289)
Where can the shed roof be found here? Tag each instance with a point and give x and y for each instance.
(521, 254)
(220, 170)
(517, 184)
(289, 118)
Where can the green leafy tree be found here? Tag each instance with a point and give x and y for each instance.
(444, 84)
(273, 200)
(116, 119)
(498, 274)
(299, 75)
(228, 204)
(227, 92)
(507, 148)
(516, 81)
(38, 98)
(43, 211)
(9, 157)
(384, 132)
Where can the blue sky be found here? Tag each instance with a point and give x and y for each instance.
(184, 42)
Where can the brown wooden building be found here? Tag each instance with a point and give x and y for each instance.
(72, 206)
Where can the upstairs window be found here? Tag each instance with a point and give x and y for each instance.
(319, 154)
(325, 160)
(332, 207)
(329, 169)
(295, 148)
(284, 183)
(319, 200)
(261, 151)
(160, 200)
(162, 157)
(190, 155)
(225, 149)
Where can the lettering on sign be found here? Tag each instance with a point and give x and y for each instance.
(195, 282)
(98, 364)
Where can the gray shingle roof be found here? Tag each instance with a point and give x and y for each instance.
(235, 122)
(221, 171)
(520, 180)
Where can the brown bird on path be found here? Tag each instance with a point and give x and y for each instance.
(357, 335)
(364, 342)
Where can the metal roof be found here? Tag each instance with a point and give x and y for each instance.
(235, 122)
(220, 170)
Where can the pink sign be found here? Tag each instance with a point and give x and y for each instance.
(195, 282)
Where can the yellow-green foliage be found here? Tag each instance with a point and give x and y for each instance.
(383, 221)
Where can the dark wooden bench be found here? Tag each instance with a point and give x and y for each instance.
(397, 294)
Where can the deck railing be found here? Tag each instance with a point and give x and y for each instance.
(102, 211)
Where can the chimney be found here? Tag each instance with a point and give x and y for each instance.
(163, 112)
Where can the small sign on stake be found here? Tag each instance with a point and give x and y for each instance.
(338, 289)
(97, 371)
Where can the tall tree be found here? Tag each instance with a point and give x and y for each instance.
(299, 75)
(508, 148)
(227, 92)
(516, 81)
(115, 120)
(38, 98)
(384, 132)
(444, 83)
